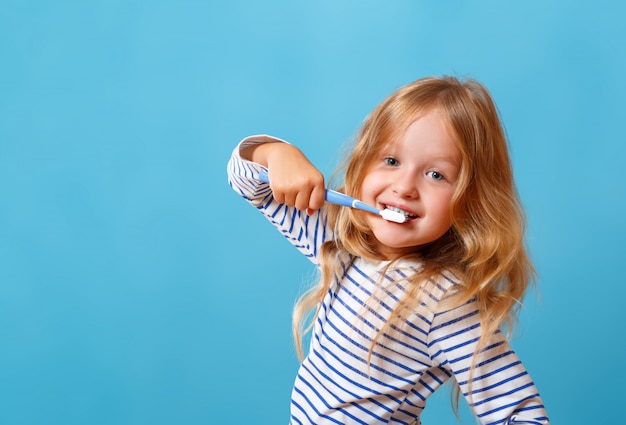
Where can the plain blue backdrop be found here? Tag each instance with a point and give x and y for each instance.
(137, 288)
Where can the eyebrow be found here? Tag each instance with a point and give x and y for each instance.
(449, 160)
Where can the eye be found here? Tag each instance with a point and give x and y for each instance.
(435, 175)
(389, 160)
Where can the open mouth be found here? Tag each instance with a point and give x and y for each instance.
(408, 215)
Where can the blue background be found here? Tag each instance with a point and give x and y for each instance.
(137, 288)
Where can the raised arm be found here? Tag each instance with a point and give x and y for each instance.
(295, 183)
(294, 180)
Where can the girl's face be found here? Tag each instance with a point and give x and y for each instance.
(416, 174)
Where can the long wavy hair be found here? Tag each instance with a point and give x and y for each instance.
(485, 244)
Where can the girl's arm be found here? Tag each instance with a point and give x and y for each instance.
(294, 180)
(502, 390)
(296, 183)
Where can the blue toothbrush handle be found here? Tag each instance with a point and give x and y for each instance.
(264, 177)
(348, 201)
(335, 197)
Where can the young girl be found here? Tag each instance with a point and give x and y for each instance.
(402, 307)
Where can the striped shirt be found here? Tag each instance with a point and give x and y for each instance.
(338, 383)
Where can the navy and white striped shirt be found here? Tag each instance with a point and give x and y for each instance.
(337, 385)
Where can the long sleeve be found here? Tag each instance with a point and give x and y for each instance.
(306, 233)
(502, 390)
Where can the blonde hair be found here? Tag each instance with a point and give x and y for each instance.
(485, 244)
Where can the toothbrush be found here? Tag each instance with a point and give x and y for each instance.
(338, 198)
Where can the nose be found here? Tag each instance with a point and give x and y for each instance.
(405, 185)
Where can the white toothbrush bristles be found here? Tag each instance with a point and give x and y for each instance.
(395, 216)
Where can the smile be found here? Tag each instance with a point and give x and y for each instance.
(407, 214)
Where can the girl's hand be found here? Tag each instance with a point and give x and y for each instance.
(294, 180)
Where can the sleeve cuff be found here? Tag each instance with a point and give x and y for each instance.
(256, 140)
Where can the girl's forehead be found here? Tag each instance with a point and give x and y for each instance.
(430, 124)
(393, 132)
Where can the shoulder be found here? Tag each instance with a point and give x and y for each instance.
(443, 290)
(446, 283)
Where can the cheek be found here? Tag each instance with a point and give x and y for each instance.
(444, 205)
(368, 187)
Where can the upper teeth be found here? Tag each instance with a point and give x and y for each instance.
(400, 210)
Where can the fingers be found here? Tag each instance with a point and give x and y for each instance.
(294, 180)
(307, 194)
(318, 197)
